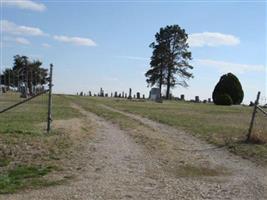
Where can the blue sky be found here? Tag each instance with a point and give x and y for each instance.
(95, 44)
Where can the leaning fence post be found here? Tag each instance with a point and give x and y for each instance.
(253, 116)
(49, 117)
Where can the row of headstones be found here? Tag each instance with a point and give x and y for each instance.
(196, 100)
(115, 95)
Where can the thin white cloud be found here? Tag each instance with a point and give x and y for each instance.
(212, 39)
(46, 45)
(25, 4)
(226, 67)
(23, 41)
(18, 40)
(75, 40)
(14, 29)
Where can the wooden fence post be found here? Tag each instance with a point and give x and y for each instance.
(253, 117)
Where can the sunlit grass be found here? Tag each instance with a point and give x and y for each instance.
(219, 125)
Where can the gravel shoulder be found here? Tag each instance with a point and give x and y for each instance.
(119, 164)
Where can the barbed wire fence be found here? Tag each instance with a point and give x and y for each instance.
(22, 93)
(257, 132)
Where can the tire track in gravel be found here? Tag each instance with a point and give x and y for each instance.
(119, 168)
(246, 181)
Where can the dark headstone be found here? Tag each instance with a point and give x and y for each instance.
(251, 104)
(130, 93)
(182, 97)
(144, 96)
(197, 99)
(115, 94)
(138, 95)
(101, 94)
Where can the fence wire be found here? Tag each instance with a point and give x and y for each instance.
(29, 117)
(259, 131)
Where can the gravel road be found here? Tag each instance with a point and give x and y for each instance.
(120, 167)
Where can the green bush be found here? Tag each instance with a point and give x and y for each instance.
(224, 99)
(228, 85)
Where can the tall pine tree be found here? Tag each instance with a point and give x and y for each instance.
(170, 59)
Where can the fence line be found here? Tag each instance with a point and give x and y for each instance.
(16, 83)
(256, 107)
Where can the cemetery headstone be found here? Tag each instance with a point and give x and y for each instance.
(130, 93)
(182, 97)
(197, 99)
(23, 91)
(154, 94)
(116, 95)
(101, 93)
(138, 95)
(144, 96)
(3, 89)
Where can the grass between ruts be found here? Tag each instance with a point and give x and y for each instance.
(219, 125)
(144, 135)
(22, 138)
(27, 153)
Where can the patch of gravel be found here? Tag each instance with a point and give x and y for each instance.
(116, 166)
(243, 179)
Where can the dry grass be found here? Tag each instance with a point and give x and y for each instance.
(173, 161)
(23, 142)
(219, 125)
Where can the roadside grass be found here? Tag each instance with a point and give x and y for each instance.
(25, 118)
(27, 152)
(24, 177)
(219, 125)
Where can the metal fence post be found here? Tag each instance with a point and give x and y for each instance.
(253, 116)
(49, 116)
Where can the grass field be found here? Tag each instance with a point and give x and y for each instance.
(27, 154)
(219, 125)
